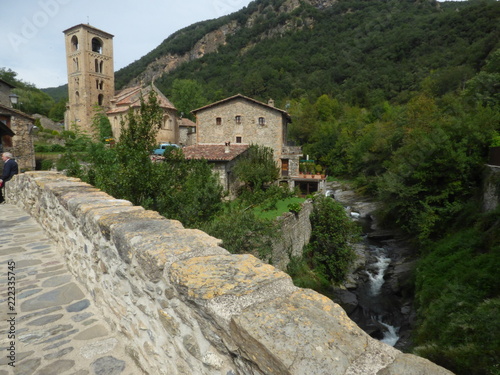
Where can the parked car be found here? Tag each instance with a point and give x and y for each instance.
(164, 146)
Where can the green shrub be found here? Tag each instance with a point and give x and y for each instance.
(457, 292)
(41, 148)
(68, 134)
(495, 142)
(304, 277)
(329, 251)
(57, 148)
(295, 207)
(46, 164)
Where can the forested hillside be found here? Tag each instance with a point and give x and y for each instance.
(360, 51)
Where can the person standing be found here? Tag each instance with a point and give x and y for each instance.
(10, 169)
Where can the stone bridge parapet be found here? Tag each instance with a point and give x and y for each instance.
(185, 305)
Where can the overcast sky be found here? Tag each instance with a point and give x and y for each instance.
(32, 39)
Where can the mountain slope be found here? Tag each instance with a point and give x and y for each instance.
(360, 50)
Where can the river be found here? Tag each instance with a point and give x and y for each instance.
(378, 295)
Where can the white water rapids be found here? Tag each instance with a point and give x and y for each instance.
(380, 266)
(376, 281)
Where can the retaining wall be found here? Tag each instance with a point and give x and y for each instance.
(295, 234)
(185, 305)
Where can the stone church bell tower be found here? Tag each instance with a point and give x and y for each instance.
(91, 82)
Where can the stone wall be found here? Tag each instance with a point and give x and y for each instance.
(185, 305)
(296, 231)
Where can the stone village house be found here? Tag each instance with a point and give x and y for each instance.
(240, 120)
(222, 158)
(16, 130)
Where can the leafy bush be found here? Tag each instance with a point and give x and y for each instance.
(304, 277)
(329, 252)
(295, 207)
(242, 232)
(257, 167)
(458, 296)
(41, 148)
(69, 163)
(57, 148)
(46, 164)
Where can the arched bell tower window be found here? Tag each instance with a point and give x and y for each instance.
(100, 99)
(99, 66)
(77, 97)
(74, 43)
(96, 45)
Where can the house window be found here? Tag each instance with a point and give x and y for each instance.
(262, 121)
(218, 121)
(237, 119)
(238, 139)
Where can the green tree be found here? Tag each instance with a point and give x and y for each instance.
(330, 252)
(186, 190)
(242, 232)
(101, 124)
(257, 168)
(56, 112)
(187, 95)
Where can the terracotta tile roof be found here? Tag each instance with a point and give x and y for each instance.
(131, 97)
(214, 152)
(239, 96)
(185, 122)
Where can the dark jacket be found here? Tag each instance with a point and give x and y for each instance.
(10, 168)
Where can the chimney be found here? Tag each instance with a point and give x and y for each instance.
(226, 147)
(270, 103)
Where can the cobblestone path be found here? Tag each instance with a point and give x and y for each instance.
(48, 322)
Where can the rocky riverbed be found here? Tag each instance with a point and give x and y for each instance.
(378, 294)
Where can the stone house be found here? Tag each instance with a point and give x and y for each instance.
(222, 158)
(16, 131)
(187, 132)
(243, 120)
(168, 131)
